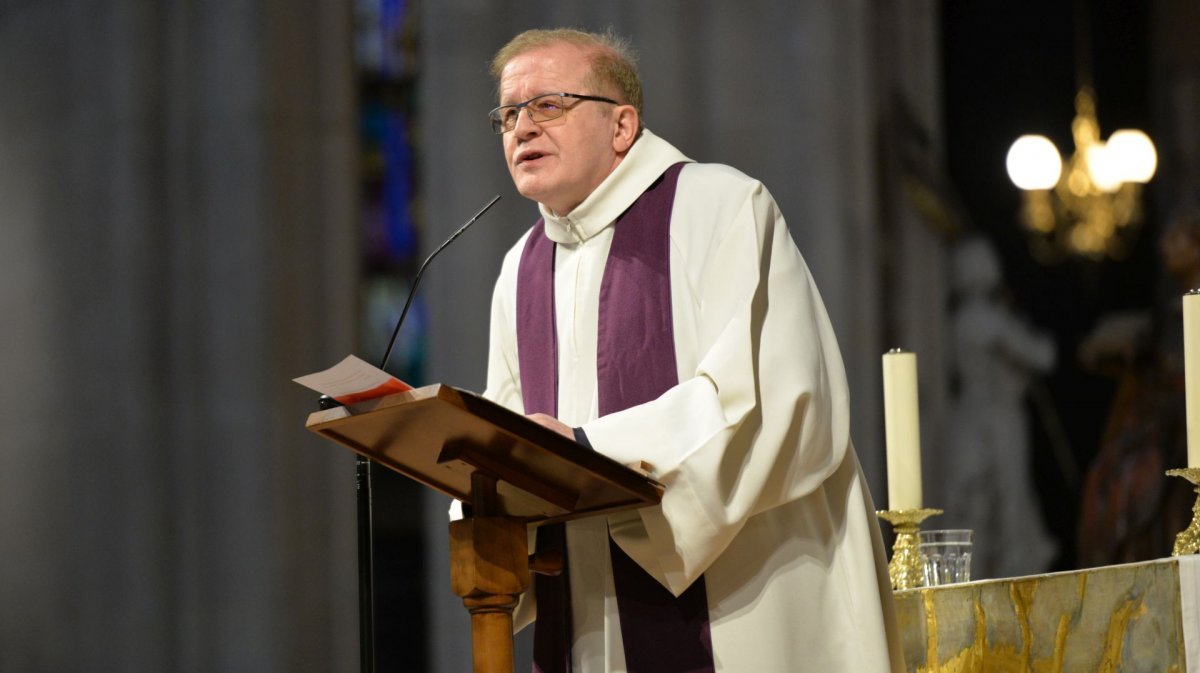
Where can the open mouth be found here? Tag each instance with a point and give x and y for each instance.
(526, 157)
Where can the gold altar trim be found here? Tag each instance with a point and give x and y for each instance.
(1114, 619)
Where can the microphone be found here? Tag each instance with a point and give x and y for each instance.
(417, 280)
(327, 402)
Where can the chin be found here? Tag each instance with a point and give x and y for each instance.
(533, 192)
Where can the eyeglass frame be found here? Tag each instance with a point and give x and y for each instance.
(498, 122)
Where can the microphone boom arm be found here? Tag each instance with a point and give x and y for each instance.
(412, 291)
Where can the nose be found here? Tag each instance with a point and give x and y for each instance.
(526, 127)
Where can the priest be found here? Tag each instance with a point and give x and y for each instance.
(659, 312)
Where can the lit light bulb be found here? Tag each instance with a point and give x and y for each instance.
(1103, 167)
(1034, 163)
(1133, 152)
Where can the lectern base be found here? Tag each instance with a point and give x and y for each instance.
(489, 569)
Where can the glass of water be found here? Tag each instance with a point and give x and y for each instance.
(946, 555)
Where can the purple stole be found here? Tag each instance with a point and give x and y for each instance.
(635, 363)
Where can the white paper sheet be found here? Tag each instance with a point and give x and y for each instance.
(353, 380)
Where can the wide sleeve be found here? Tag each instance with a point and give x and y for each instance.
(761, 417)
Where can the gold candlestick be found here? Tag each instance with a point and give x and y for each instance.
(906, 568)
(1188, 540)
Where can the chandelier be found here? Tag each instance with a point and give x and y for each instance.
(1090, 206)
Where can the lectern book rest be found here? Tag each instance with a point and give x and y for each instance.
(440, 436)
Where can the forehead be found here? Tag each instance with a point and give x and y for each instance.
(551, 69)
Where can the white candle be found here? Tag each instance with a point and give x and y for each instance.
(1191, 369)
(903, 429)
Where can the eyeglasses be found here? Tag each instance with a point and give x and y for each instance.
(541, 108)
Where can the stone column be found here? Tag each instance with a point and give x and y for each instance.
(178, 207)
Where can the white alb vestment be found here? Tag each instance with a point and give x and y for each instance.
(764, 495)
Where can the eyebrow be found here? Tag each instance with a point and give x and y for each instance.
(551, 92)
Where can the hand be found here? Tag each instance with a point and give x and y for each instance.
(553, 423)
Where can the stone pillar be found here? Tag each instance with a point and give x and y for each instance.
(918, 211)
(178, 212)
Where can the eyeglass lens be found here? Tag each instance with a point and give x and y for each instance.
(541, 109)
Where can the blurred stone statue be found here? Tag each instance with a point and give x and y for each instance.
(1129, 510)
(988, 478)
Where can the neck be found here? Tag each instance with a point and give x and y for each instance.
(617, 159)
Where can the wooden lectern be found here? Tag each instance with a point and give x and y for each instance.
(511, 471)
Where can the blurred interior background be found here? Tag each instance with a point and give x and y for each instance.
(200, 201)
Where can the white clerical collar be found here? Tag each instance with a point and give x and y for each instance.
(646, 160)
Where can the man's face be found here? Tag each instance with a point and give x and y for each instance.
(558, 162)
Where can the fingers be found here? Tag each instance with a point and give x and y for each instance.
(553, 423)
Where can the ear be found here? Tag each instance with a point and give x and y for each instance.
(626, 128)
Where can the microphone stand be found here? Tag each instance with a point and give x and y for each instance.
(366, 565)
(366, 561)
(362, 483)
